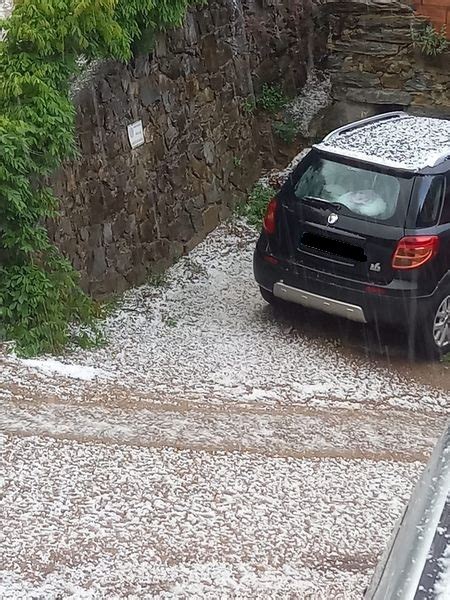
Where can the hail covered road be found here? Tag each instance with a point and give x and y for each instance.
(213, 448)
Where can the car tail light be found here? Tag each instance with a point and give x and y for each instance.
(269, 222)
(415, 251)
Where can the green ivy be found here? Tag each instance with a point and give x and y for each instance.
(39, 290)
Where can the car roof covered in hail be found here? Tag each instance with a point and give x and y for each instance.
(396, 140)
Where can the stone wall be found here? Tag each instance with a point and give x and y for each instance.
(126, 212)
(374, 64)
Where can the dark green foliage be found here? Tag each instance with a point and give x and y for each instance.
(286, 131)
(430, 41)
(36, 301)
(254, 209)
(249, 106)
(39, 291)
(272, 99)
(146, 42)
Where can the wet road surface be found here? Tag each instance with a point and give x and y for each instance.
(214, 448)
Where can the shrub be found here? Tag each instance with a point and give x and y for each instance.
(249, 106)
(286, 131)
(39, 291)
(254, 209)
(271, 99)
(430, 41)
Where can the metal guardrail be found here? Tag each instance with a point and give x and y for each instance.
(416, 547)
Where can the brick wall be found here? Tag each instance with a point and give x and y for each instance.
(437, 11)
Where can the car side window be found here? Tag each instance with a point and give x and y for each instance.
(445, 216)
(431, 206)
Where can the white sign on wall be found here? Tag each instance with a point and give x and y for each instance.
(136, 134)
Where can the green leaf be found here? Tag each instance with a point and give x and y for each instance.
(39, 290)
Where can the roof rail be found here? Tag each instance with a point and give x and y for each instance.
(364, 122)
(441, 158)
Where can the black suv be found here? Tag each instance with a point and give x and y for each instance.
(361, 228)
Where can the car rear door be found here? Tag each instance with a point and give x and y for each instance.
(349, 247)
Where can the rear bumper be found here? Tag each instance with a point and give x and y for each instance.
(328, 305)
(391, 304)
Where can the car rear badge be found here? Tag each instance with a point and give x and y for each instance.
(375, 267)
(332, 219)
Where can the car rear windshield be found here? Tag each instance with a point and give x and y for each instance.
(359, 191)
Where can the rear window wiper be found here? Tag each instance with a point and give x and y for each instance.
(321, 203)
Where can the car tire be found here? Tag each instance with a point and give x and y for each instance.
(433, 335)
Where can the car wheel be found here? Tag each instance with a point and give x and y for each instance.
(434, 332)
